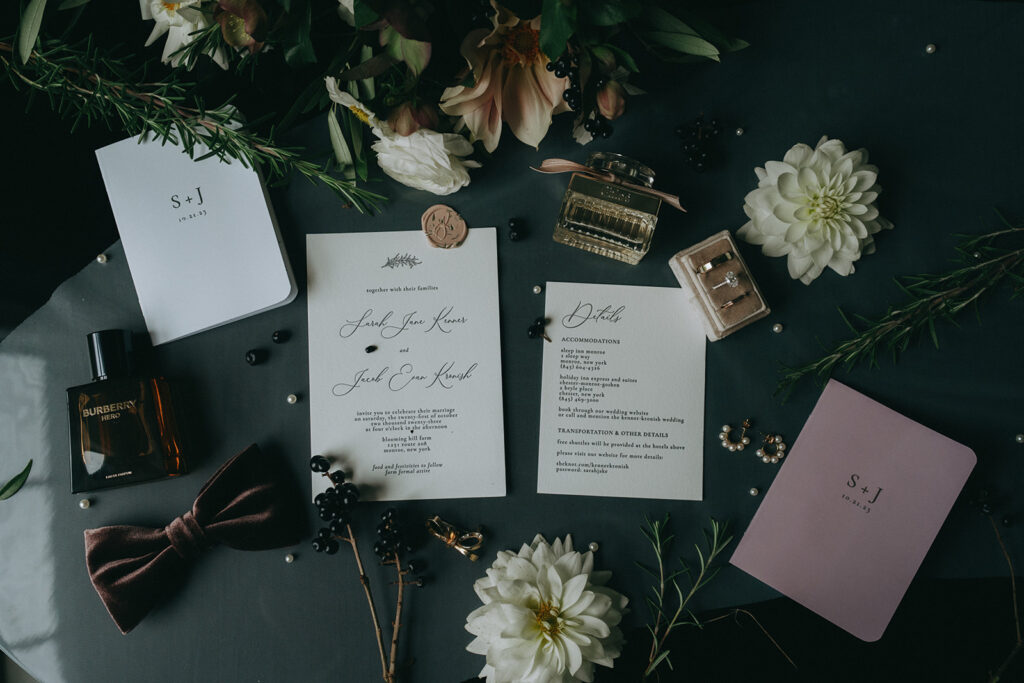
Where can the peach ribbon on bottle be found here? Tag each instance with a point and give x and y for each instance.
(566, 166)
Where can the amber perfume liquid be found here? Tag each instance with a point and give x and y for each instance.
(122, 430)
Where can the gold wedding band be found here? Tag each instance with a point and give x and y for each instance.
(716, 261)
(732, 302)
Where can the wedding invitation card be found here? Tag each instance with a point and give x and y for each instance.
(622, 393)
(853, 511)
(405, 364)
(200, 237)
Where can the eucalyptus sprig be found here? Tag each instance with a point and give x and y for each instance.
(85, 85)
(984, 261)
(671, 612)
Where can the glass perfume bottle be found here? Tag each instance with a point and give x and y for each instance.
(605, 217)
(123, 428)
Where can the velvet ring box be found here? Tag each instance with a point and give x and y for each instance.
(719, 285)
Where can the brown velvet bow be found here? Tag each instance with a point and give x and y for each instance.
(245, 505)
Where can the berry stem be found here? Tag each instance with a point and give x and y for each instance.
(398, 618)
(363, 579)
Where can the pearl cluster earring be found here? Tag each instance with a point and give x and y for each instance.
(777, 446)
(743, 442)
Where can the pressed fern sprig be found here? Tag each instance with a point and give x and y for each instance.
(86, 86)
(984, 262)
(670, 613)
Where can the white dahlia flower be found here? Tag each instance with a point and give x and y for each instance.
(816, 207)
(546, 617)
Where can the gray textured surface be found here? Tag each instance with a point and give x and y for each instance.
(943, 129)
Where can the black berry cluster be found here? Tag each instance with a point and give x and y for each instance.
(698, 137)
(566, 66)
(334, 505)
(598, 126)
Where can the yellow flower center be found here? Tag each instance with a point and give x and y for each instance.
(826, 206)
(546, 615)
(522, 45)
(171, 6)
(360, 114)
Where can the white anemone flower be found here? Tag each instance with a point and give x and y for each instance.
(817, 208)
(547, 616)
(424, 160)
(178, 20)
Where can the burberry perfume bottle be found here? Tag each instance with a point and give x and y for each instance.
(609, 218)
(123, 428)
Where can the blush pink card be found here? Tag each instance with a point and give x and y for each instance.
(851, 514)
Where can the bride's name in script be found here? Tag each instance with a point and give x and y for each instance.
(390, 324)
(447, 376)
(586, 312)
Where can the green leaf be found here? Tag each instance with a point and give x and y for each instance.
(28, 31)
(558, 23)
(666, 21)
(12, 487)
(684, 43)
(71, 4)
(341, 151)
(847, 321)
(711, 33)
(658, 660)
(364, 13)
(300, 48)
(609, 12)
(624, 58)
(366, 85)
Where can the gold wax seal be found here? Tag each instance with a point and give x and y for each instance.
(443, 226)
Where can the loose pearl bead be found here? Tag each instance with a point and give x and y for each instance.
(289, 558)
(777, 327)
(753, 491)
(537, 289)
(102, 258)
(292, 399)
(930, 48)
(84, 503)
(1019, 438)
(593, 546)
(739, 131)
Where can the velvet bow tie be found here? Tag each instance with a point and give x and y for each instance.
(245, 505)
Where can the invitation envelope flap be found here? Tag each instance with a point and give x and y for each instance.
(853, 511)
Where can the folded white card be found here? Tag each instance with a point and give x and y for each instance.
(405, 364)
(199, 236)
(622, 394)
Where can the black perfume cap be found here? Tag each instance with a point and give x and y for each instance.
(110, 353)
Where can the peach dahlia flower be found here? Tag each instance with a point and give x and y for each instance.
(511, 82)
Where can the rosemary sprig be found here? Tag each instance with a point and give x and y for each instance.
(984, 262)
(86, 86)
(670, 613)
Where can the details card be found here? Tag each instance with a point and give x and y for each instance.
(405, 364)
(622, 394)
